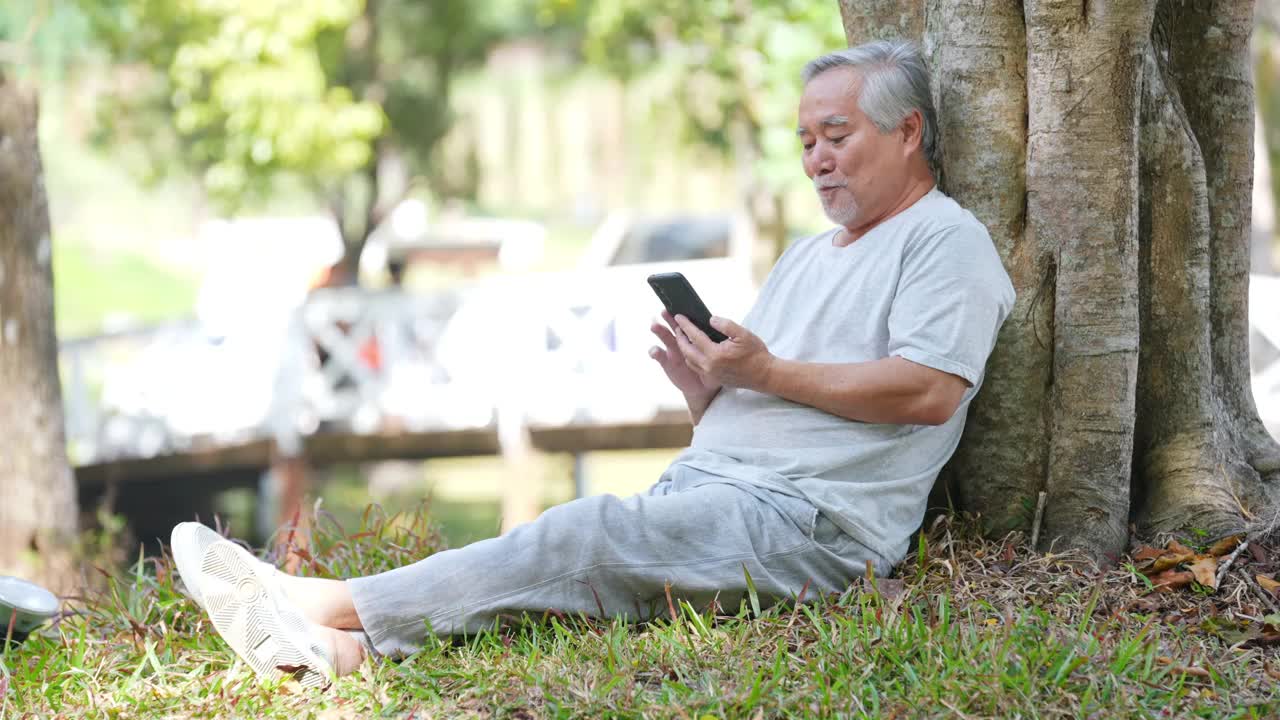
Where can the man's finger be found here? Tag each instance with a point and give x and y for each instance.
(695, 336)
(658, 354)
(727, 326)
(671, 321)
(693, 356)
(665, 336)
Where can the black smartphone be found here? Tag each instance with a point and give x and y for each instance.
(678, 296)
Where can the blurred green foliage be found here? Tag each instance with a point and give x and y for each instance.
(729, 69)
(42, 34)
(728, 73)
(243, 91)
(257, 99)
(141, 291)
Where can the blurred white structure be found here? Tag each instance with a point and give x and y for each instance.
(268, 358)
(1264, 320)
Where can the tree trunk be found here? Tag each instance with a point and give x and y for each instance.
(1107, 146)
(37, 490)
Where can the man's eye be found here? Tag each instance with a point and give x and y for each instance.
(838, 140)
(808, 146)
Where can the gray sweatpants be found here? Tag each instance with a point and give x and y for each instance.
(691, 530)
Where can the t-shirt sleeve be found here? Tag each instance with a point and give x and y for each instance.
(952, 296)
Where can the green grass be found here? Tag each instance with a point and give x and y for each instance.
(922, 646)
(91, 285)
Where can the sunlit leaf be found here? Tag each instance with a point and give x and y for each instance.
(1225, 545)
(1169, 560)
(1206, 570)
(1268, 584)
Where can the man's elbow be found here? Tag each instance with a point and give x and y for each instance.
(938, 407)
(934, 415)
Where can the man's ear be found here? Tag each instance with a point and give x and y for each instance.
(912, 128)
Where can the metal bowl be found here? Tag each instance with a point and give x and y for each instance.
(34, 606)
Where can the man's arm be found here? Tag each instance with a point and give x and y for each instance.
(889, 390)
(698, 404)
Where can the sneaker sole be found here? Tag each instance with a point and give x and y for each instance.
(263, 628)
(188, 542)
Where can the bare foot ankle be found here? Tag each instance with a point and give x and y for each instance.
(346, 652)
(324, 602)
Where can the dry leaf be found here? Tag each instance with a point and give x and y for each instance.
(1168, 560)
(1146, 552)
(1269, 585)
(1259, 555)
(1225, 545)
(1206, 571)
(1170, 579)
(1267, 638)
(1190, 670)
(1176, 547)
(892, 589)
(1275, 674)
(1230, 631)
(1146, 604)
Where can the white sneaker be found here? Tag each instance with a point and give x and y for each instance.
(249, 609)
(188, 543)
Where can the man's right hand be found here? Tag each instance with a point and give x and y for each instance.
(698, 389)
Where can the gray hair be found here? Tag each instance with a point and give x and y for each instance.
(895, 81)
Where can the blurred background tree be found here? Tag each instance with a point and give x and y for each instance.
(344, 98)
(729, 70)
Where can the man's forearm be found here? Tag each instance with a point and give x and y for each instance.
(890, 390)
(698, 404)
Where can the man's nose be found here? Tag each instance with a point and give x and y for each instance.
(826, 160)
(820, 162)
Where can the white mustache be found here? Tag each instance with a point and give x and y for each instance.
(825, 187)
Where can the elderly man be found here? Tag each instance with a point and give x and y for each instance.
(820, 424)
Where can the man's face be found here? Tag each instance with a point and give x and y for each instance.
(857, 170)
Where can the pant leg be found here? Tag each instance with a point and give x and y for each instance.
(611, 554)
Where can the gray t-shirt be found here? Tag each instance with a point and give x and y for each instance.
(926, 285)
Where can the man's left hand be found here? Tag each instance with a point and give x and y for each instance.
(742, 360)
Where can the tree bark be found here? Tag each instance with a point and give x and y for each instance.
(868, 20)
(37, 490)
(1107, 147)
